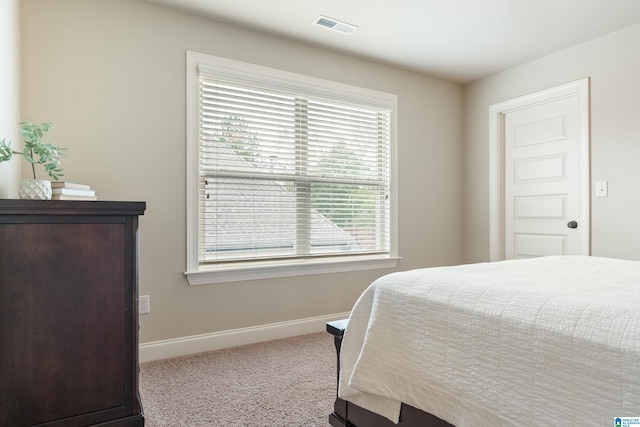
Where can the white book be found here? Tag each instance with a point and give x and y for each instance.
(65, 197)
(73, 192)
(63, 184)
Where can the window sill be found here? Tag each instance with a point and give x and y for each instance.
(270, 270)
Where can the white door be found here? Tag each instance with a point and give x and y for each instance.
(544, 192)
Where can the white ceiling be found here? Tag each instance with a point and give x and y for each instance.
(459, 40)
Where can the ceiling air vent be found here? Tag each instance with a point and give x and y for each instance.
(334, 24)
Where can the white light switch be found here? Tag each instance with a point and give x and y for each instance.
(602, 189)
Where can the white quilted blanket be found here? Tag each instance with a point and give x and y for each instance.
(536, 342)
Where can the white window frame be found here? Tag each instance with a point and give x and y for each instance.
(198, 63)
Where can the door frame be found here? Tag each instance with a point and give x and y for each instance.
(497, 112)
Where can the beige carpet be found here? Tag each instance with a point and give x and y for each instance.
(288, 382)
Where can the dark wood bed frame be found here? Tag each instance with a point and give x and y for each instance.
(347, 414)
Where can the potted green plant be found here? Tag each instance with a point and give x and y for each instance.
(35, 153)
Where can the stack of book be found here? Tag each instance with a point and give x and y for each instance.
(71, 191)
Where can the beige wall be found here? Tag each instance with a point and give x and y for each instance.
(110, 74)
(10, 92)
(613, 64)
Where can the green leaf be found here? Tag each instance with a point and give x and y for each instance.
(6, 153)
(35, 151)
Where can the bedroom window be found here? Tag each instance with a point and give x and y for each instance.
(288, 174)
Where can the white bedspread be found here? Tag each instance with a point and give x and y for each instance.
(537, 342)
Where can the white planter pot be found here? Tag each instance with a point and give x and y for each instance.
(35, 189)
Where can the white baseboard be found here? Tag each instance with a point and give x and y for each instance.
(165, 349)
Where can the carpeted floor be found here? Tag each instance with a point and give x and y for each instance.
(283, 383)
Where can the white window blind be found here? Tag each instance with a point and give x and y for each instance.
(287, 174)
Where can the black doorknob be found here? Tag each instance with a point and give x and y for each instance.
(572, 224)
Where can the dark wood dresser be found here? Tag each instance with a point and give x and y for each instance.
(69, 313)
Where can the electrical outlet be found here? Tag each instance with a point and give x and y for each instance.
(144, 304)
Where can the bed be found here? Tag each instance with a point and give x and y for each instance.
(532, 342)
